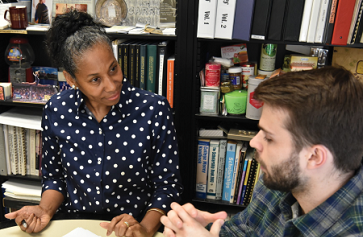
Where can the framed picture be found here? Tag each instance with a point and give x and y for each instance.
(62, 6)
(41, 12)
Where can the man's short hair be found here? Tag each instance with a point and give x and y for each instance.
(325, 107)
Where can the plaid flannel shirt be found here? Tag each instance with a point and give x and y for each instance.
(270, 214)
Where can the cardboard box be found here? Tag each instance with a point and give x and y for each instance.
(303, 62)
(237, 52)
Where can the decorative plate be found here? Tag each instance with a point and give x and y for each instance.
(111, 12)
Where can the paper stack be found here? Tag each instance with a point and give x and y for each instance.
(26, 190)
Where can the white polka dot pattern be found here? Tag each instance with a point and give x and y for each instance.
(124, 164)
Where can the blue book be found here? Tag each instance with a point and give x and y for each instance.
(202, 168)
(228, 170)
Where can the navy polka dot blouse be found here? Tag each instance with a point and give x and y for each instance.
(127, 163)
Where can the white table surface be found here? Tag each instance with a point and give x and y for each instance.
(58, 228)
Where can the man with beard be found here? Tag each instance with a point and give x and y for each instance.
(310, 150)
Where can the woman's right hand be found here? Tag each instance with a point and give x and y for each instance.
(35, 217)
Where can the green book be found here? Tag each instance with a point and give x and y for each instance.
(143, 66)
(125, 51)
(151, 62)
(137, 64)
(131, 66)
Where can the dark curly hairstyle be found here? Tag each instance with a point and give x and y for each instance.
(70, 35)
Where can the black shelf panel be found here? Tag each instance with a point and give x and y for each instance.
(214, 206)
(145, 36)
(229, 118)
(18, 203)
(21, 177)
(114, 35)
(218, 202)
(277, 42)
(20, 104)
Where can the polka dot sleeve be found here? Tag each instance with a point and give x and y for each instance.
(164, 167)
(51, 160)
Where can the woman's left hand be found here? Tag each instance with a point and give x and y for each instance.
(124, 225)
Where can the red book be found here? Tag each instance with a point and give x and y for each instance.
(170, 81)
(343, 20)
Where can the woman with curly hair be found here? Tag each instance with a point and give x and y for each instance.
(108, 147)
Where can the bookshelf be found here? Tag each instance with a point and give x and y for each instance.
(202, 50)
(182, 93)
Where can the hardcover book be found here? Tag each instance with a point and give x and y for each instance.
(143, 66)
(137, 63)
(132, 64)
(202, 168)
(151, 62)
(125, 51)
(164, 49)
(170, 81)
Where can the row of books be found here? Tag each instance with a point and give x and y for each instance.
(20, 142)
(148, 65)
(22, 151)
(226, 170)
(334, 22)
